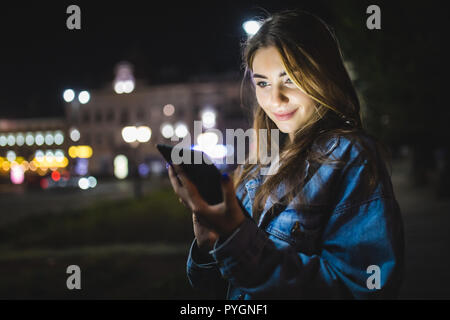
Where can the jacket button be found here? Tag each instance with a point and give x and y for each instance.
(295, 229)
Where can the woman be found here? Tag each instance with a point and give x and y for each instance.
(326, 224)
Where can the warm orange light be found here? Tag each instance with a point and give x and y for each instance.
(6, 165)
(80, 152)
(33, 166)
(53, 163)
(84, 152)
(73, 151)
(42, 171)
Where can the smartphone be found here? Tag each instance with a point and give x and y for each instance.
(204, 175)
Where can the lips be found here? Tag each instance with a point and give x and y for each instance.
(285, 116)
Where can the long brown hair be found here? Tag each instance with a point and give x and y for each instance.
(313, 60)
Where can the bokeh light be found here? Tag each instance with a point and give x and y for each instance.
(84, 97)
(167, 130)
(181, 130)
(168, 110)
(143, 133)
(68, 95)
(209, 119)
(120, 166)
(251, 27)
(129, 134)
(75, 135)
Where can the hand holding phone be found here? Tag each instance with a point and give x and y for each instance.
(204, 175)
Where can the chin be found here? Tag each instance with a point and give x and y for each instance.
(285, 128)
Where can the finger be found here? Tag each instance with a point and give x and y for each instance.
(173, 180)
(228, 192)
(177, 171)
(186, 182)
(193, 199)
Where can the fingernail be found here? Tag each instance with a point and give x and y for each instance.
(225, 177)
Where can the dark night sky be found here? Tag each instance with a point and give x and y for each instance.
(40, 56)
(166, 41)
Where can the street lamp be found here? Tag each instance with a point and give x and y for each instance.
(208, 118)
(124, 81)
(134, 136)
(251, 27)
(68, 95)
(84, 97)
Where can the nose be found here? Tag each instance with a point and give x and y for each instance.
(278, 98)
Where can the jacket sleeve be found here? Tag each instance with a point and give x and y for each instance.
(203, 273)
(357, 237)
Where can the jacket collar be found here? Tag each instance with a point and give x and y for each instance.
(253, 184)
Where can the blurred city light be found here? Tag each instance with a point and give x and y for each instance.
(11, 140)
(181, 130)
(59, 155)
(81, 166)
(143, 169)
(39, 139)
(39, 155)
(124, 81)
(167, 130)
(44, 183)
(207, 139)
(92, 182)
(118, 87)
(6, 165)
(68, 95)
(49, 156)
(84, 97)
(75, 135)
(143, 133)
(11, 156)
(56, 176)
(124, 86)
(128, 86)
(251, 27)
(83, 183)
(217, 151)
(129, 134)
(58, 138)
(29, 139)
(3, 140)
(156, 167)
(46, 161)
(20, 139)
(168, 110)
(80, 152)
(209, 119)
(48, 139)
(120, 166)
(17, 174)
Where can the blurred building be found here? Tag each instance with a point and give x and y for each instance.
(167, 110)
(32, 147)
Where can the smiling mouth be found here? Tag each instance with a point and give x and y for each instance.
(285, 116)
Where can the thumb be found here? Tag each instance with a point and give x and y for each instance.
(227, 189)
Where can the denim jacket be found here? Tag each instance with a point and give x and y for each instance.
(325, 249)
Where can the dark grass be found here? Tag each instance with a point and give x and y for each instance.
(126, 249)
(157, 217)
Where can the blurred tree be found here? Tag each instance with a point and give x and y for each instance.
(400, 73)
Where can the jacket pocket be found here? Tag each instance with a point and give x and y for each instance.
(302, 229)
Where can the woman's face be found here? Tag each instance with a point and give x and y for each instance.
(279, 97)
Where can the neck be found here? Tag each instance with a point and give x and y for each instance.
(291, 137)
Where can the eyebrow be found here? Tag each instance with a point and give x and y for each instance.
(256, 75)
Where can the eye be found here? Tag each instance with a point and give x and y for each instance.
(262, 84)
(289, 81)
